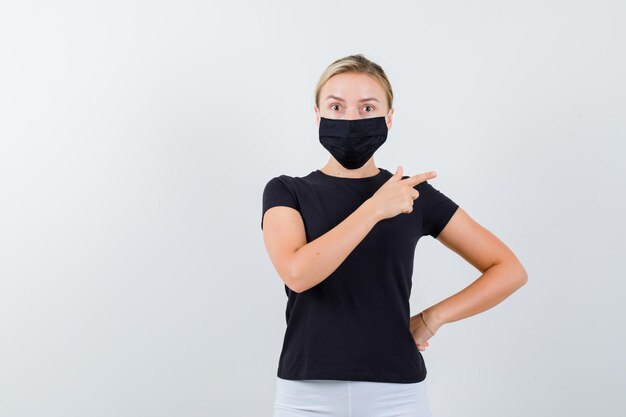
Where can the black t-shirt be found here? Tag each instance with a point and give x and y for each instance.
(354, 325)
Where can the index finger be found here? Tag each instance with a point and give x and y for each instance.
(418, 178)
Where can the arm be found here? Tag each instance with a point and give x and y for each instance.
(502, 273)
(303, 265)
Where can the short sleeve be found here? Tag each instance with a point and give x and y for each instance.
(437, 209)
(278, 193)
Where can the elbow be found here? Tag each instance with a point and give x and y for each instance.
(292, 285)
(521, 275)
(514, 271)
(293, 280)
(300, 282)
(299, 277)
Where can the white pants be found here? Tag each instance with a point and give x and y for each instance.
(336, 398)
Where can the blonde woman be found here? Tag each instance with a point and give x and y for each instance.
(342, 238)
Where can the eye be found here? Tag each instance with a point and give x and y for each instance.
(371, 107)
(333, 105)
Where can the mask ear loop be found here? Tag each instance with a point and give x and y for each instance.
(387, 115)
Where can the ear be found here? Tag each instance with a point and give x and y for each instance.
(390, 117)
(317, 115)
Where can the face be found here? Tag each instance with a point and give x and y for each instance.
(350, 96)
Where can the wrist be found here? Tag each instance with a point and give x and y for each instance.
(371, 210)
(434, 318)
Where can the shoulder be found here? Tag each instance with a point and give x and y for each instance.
(428, 189)
(279, 191)
(288, 185)
(437, 209)
(290, 182)
(279, 184)
(285, 182)
(279, 180)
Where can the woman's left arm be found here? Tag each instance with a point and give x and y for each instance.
(502, 272)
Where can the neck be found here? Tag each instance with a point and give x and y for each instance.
(335, 169)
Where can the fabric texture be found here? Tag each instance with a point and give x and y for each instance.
(354, 325)
(327, 398)
(353, 142)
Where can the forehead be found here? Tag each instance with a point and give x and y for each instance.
(352, 86)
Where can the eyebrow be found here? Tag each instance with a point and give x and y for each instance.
(361, 100)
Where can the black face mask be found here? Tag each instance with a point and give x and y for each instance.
(352, 142)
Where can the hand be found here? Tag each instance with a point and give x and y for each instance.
(420, 333)
(422, 346)
(397, 195)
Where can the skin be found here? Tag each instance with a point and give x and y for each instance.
(302, 265)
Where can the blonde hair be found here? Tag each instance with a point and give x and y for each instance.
(355, 63)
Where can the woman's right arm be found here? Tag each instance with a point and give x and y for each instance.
(303, 265)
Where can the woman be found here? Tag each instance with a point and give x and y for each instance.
(342, 239)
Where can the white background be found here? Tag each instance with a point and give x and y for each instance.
(135, 142)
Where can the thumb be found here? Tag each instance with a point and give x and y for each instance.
(398, 175)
